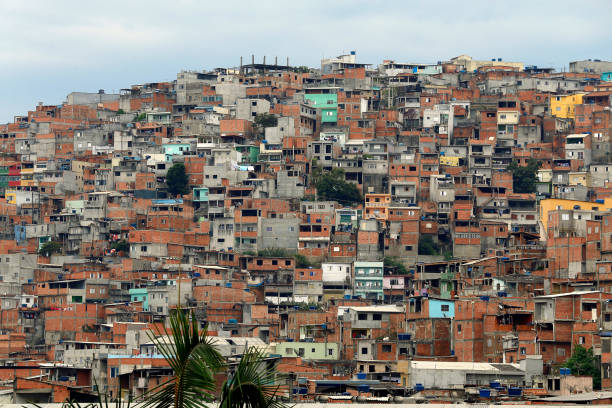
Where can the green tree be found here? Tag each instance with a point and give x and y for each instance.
(119, 246)
(120, 112)
(332, 186)
(427, 246)
(301, 261)
(264, 120)
(141, 117)
(302, 69)
(49, 248)
(177, 180)
(393, 262)
(583, 362)
(524, 178)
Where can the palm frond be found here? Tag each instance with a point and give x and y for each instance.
(193, 358)
(253, 384)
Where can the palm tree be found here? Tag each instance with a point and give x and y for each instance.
(252, 383)
(194, 359)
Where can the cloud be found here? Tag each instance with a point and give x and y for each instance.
(50, 49)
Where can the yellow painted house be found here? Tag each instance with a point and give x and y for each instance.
(579, 178)
(553, 204)
(563, 106)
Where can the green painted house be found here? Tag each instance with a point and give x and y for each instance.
(140, 295)
(328, 103)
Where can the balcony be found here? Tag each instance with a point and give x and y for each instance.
(510, 342)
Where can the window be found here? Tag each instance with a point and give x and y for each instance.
(445, 308)
(376, 316)
(523, 351)
(458, 328)
(386, 348)
(581, 340)
(330, 352)
(362, 316)
(364, 350)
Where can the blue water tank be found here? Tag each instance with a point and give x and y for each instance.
(228, 285)
(515, 391)
(404, 336)
(484, 393)
(361, 376)
(418, 387)
(484, 298)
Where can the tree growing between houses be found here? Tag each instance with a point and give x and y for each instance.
(265, 120)
(524, 178)
(49, 248)
(332, 186)
(393, 262)
(427, 246)
(177, 180)
(120, 246)
(583, 362)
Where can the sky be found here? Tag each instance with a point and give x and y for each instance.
(51, 48)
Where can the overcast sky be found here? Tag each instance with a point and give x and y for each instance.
(51, 48)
